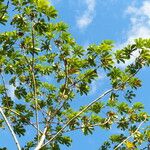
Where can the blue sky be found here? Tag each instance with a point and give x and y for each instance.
(92, 21)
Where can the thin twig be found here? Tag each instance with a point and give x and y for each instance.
(90, 126)
(11, 130)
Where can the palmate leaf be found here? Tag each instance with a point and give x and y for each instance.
(129, 96)
(87, 130)
(97, 107)
(65, 140)
(138, 106)
(2, 89)
(19, 129)
(20, 92)
(117, 138)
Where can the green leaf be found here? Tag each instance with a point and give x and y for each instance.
(20, 92)
(117, 138)
(87, 130)
(2, 89)
(138, 106)
(97, 107)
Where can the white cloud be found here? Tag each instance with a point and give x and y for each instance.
(140, 21)
(11, 90)
(87, 17)
(97, 83)
(140, 26)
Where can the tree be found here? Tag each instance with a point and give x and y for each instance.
(48, 70)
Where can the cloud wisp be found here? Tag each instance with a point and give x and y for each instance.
(140, 27)
(140, 21)
(87, 17)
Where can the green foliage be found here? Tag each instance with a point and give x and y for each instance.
(117, 138)
(3, 12)
(97, 107)
(48, 69)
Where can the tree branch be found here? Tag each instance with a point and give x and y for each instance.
(43, 135)
(130, 135)
(53, 115)
(90, 126)
(42, 139)
(83, 110)
(34, 84)
(19, 114)
(10, 128)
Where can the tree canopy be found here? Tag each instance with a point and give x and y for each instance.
(49, 70)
